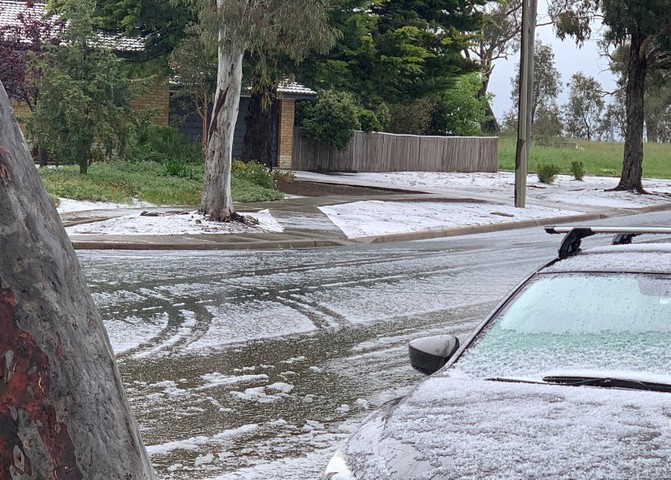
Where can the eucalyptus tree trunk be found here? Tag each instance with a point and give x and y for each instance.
(217, 201)
(632, 163)
(63, 410)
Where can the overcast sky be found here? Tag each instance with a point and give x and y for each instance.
(569, 59)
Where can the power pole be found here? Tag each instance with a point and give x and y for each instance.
(529, 8)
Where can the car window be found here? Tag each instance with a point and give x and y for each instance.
(577, 321)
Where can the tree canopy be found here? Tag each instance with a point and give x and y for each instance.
(646, 26)
(585, 106)
(85, 93)
(396, 52)
(547, 81)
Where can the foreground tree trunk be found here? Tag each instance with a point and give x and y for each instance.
(217, 201)
(632, 164)
(63, 410)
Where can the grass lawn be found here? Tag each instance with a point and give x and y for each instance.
(599, 158)
(149, 181)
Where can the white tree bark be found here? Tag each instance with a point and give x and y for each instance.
(63, 410)
(217, 201)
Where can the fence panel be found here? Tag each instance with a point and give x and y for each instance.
(386, 152)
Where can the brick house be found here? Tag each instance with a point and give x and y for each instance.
(167, 110)
(283, 113)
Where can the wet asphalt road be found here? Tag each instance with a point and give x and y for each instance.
(255, 364)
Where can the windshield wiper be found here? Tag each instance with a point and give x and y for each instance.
(607, 382)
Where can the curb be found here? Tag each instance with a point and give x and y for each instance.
(208, 246)
(289, 243)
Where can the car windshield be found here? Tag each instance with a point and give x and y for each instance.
(574, 322)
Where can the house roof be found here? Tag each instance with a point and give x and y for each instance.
(10, 12)
(295, 90)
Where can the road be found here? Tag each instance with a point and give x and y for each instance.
(253, 365)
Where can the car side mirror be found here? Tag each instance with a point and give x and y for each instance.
(429, 354)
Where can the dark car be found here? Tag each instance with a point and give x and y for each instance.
(568, 378)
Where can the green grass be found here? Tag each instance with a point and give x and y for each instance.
(599, 158)
(149, 181)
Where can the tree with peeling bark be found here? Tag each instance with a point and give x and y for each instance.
(63, 410)
(244, 26)
(646, 26)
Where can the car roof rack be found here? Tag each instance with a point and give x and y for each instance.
(570, 245)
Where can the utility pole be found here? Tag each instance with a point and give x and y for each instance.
(529, 8)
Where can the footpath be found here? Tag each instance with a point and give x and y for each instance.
(304, 223)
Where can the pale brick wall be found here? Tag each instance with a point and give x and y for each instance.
(21, 110)
(286, 133)
(157, 99)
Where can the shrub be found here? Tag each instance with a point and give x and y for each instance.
(547, 172)
(578, 170)
(332, 119)
(176, 167)
(160, 143)
(255, 173)
(238, 166)
(286, 176)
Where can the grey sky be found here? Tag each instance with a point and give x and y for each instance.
(569, 59)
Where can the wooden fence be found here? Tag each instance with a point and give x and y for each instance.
(386, 152)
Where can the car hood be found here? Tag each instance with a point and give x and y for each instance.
(453, 428)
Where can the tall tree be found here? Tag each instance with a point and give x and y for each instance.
(646, 26)
(500, 38)
(547, 80)
(63, 410)
(584, 110)
(86, 94)
(244, 26)
(658, 106)
(396, 52)
(657, 97)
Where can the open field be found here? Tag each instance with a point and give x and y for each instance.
(599, 158)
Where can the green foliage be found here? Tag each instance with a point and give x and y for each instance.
(547, 81)
(332, 119)
(396, 52)
(547, 126)
(194, 64)
(162, 144)
(413, 118)
(149, 181)
(286, 176)
(458, 110)
(577, 169)
(244, 190)
(85, 94)
(160, 23)
(547, 172)
(585, 106)
(254, 172)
